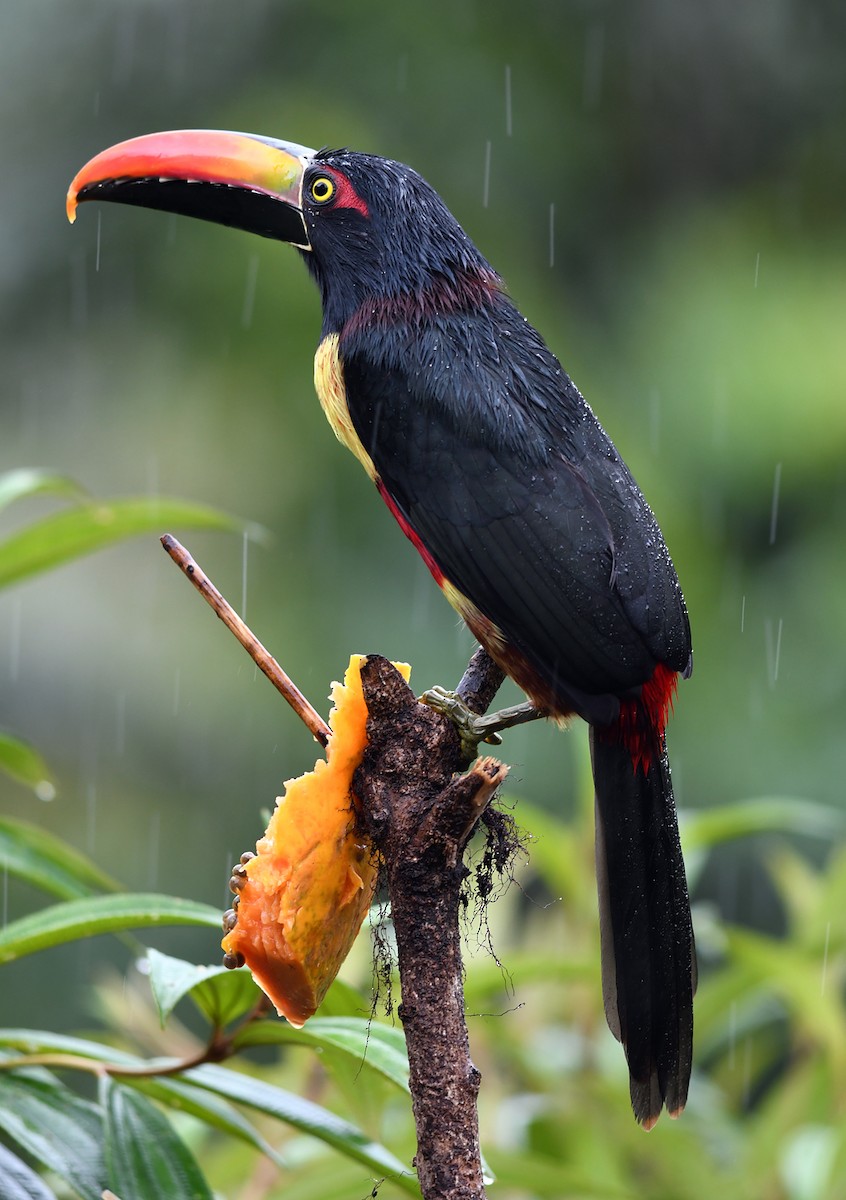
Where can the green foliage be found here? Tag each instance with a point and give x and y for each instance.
(555, 1118)
(86, 526)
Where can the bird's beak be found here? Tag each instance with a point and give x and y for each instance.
(238, 179)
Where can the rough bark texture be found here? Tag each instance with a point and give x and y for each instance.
(420, 816)
(480, 682)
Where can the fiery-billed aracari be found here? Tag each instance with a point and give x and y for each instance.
(498, 471)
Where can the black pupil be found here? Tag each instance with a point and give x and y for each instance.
(321, 189)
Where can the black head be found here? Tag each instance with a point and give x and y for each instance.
(377, 230)
(370, 229)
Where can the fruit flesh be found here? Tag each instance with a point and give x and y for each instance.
(307, 891)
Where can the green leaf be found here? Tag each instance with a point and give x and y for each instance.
(19, 1182)
(42, 1041)
(220, 994)
(33, 481)
(68, 535)
(308, 1117)
(175, 1093)
(785, 969)
(372, 1046)
(99, 914)
(205, 1106)
(144, 1156)
(763, 814)
(25, 764)
(49, 863)
(225, 995)
(58, 1129)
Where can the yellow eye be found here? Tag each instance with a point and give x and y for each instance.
(322, 189)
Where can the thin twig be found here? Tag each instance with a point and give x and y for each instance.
(263, 659)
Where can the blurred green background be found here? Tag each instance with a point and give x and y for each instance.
(661, 185)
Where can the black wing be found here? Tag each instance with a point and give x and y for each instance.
(501, 469)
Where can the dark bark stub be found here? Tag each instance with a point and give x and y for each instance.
(420, 817)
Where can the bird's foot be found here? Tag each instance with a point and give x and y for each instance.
(472, 727)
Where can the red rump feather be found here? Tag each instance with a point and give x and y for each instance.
(641, 724)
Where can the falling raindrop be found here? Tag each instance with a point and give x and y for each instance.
(743, 614)
(45, 790)
(774, 505)
(508, 115)
(757, 267)
(486, 184)
(552, 235)
(250, 292)
(773, 645)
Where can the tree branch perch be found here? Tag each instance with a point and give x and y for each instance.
(420, 814)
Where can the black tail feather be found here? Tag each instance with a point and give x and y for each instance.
(648, 956)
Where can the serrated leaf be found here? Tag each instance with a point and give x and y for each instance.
(48, 862)
(144, 1156)
(372, 1046)
(308, 1117)
(220, 994)
(58, 1129)
(25, 764)
(34, 481)
(76, 919)
(18, 1181)
(72, 533)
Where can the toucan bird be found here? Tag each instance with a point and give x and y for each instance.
(498, 471)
